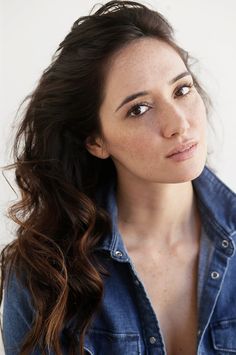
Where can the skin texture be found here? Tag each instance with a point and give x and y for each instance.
(148, 182)
(157, 210)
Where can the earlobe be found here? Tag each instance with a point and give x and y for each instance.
(96, 147)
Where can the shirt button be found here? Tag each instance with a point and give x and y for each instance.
(136, 282)
(118, 253)
(199, 331)
(152, 340)
(215, 275)
(225, 243)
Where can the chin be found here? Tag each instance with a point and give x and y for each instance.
(189, 169)
(185, 171)
(190, 172)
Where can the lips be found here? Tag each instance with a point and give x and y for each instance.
(181, 148)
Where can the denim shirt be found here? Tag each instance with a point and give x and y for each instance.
(126, 322)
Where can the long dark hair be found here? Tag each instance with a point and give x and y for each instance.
(59, 221)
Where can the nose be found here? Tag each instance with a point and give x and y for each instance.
(174, 120)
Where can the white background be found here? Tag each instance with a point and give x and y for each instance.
(32, 30)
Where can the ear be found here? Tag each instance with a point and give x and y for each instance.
(96, 147)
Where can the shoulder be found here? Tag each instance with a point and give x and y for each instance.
(17, 313)
(217, 203)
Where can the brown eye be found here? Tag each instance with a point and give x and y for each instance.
(184, 90)
(138, 109)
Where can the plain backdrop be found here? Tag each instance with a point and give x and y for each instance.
(31, 31)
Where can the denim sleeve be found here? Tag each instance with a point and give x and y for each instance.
(17, 316)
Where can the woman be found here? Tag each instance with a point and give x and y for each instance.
(126, 237)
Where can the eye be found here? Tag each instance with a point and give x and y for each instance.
(184, 88)
(138, 109)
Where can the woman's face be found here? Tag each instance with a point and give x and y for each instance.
(139, 133)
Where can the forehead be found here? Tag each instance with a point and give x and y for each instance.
(143, 62)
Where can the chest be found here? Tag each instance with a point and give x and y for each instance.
(172, 291)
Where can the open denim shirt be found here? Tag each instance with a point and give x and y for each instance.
(127, 323)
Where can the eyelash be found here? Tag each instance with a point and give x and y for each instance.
(142, 103)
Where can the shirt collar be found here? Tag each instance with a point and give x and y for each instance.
(217, 205)
(217, 201)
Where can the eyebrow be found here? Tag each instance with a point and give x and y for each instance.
(142, 93)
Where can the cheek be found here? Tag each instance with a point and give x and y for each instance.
(198, 112)
(197, 115)
(126, 143)
(200, 127)
(120, 142)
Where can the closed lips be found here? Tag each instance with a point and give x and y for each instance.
(181, 148)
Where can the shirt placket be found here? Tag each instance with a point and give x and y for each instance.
(212, 287)
(153, 336)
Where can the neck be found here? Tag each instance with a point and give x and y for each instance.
(163, 214)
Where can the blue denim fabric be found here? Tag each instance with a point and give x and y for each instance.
(126, 323)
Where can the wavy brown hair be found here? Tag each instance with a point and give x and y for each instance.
(59, 221)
